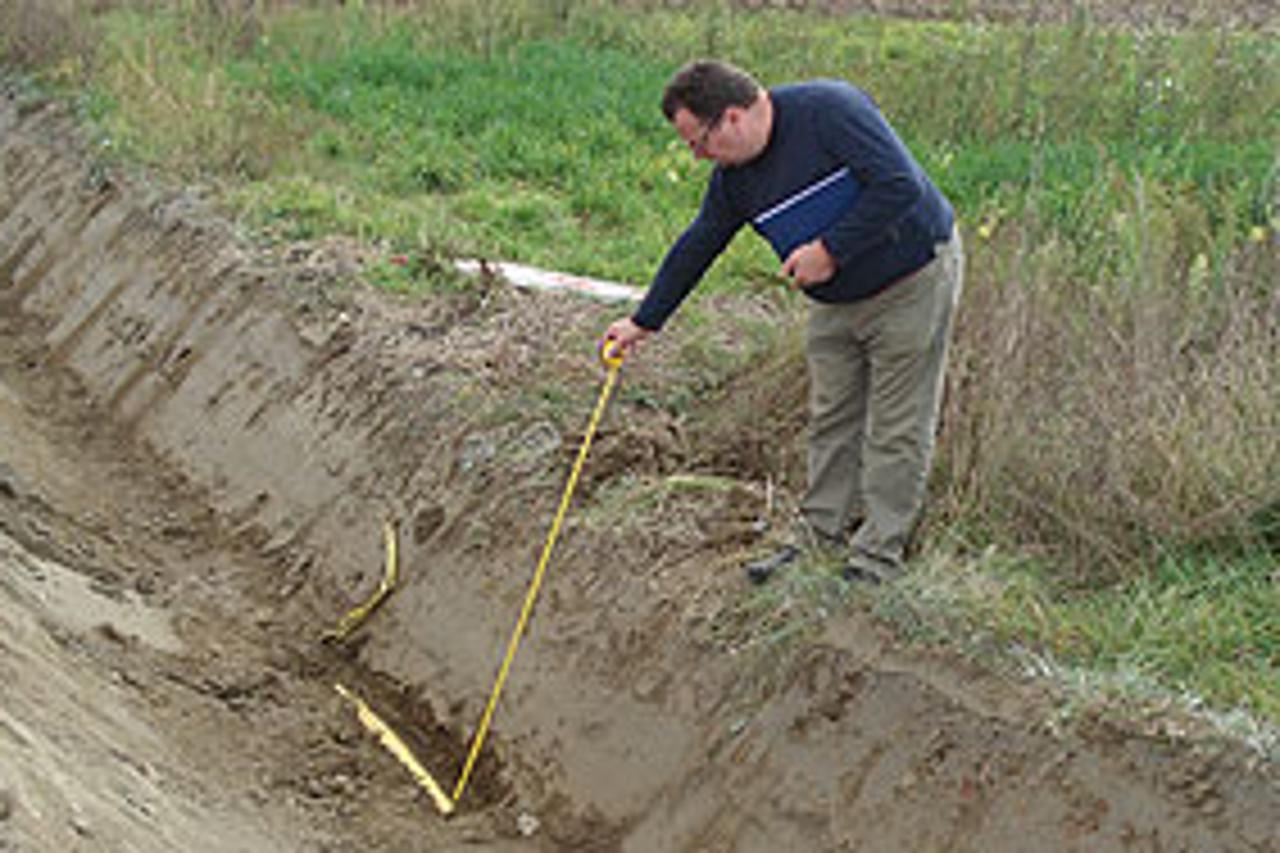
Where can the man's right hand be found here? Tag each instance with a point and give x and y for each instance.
(625, 334)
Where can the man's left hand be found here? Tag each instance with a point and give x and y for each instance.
(809, 264)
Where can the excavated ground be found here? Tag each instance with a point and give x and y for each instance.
(199, 443)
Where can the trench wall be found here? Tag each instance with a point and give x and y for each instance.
(302, 441)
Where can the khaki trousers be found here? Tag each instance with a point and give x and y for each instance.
(875, 374)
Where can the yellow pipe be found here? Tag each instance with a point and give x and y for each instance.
(357, 615)
(399, 749)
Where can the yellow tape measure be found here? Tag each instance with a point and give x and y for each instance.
(612, 357)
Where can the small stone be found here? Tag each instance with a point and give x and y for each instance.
(527, 824)
(81, 826)
(9, 488)
(145, 585)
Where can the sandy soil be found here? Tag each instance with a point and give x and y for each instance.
(150, 703)
(198, 444)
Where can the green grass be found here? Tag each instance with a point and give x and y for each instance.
(531, 131)
(1199, 631)
(1200, 628)
(539, 154)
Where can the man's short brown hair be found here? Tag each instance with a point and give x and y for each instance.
(708, 87)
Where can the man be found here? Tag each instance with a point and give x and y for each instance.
(861, 230)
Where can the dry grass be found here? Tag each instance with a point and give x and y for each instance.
(1101, 420)
(45, 34)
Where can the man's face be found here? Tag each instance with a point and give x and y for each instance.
(722, 140)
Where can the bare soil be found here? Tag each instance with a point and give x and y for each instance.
(199, 442)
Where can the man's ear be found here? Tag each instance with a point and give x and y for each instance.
(733, 114)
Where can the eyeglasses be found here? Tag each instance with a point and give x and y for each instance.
(699, 143)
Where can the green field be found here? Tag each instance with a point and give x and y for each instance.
(530, 131)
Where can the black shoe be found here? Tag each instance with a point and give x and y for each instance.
(759, 571)
(859, 574)
(865, 569)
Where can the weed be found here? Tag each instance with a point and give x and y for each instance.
(1195, 625)
(43, 36)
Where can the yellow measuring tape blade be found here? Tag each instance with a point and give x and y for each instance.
(356, 616)
(399, 749)
(613, 361)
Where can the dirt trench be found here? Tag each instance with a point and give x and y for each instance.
(199, 442)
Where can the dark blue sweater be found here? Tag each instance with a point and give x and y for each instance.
(833, 168)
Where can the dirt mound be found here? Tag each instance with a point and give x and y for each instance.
(199, 445)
